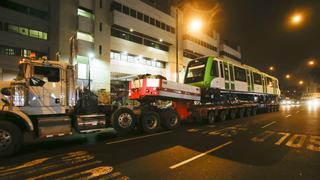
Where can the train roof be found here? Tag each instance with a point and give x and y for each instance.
(238, 63)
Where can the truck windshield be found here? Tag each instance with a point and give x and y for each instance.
(195, 71)
(22, 71)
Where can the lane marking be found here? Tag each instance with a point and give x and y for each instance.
(287, 116)
(268, 124)
(262, 137)
(139, 137)
(200, 155)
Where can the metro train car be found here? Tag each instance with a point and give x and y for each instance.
(219, 76)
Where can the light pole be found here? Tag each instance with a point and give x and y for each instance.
(91, 56)
(177, 44)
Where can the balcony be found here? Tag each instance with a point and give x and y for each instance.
(85, 24)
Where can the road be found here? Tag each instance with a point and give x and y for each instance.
(279, 145)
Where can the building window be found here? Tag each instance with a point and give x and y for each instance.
(158, 24)
(85, 37)
(133, 13)
(100, 3)
(140, 16)
(146, 18)
(13, 51)
(85, 13)
(114, 55)
(116, 6)
(100, 27)
(125, 10)
(152, 21)
(24, 9)
(100, 49)
(26, 31)
(163, 26)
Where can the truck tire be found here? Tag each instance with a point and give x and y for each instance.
(169, 119)
(248, 112)
(123, 120)
(254, 111)
(223, 115)
(232, 114)
(10, 138)
(241, 113)
(149, 122)
(211, 117)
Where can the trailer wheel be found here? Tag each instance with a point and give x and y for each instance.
(254, 111)
(248, 112)
(211, 117)
(241, 113)
(232, 114)
(150, 122)
(10, 138)
(223, 115)
(169, 119)
(123, 120)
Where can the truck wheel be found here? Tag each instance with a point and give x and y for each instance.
(150, 122)
(10, 138)
(211, 117)
(232, 114)
(222, 115)
(123, 120)
(169, 119)
(254, 111)
(241, 113)
(248, 112)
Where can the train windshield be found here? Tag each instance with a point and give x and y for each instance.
(195, 71)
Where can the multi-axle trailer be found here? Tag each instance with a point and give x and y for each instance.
(44, 102)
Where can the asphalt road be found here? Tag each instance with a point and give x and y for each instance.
(280, 145)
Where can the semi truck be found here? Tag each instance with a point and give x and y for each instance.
(44, 101)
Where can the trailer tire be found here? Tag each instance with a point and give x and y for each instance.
(211, 117)
(241, 113)
(254, 111)
(149, 122)
(223, 115)
(123, 120)
(10, 138)
(248, 112)
(169, 119)
(232, 114)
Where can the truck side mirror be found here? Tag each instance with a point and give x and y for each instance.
(36, 82)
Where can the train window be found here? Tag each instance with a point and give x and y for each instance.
(214, 69)
(240, 74)
(231, 73)
(221, 69)
(257, 78)
(269, 82)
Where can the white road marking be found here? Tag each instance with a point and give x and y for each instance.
(269, 124)
(287, 116)
(200, 155)
(139, 137)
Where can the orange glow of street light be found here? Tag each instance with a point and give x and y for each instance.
(296, 19)
(271, 68)
(311, 62)
(301, 82)
(195, 25)
(288, 76)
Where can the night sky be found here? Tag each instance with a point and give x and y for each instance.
(262, 30)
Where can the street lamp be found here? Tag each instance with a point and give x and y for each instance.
(91, 56)
(271, 68)
(296, 19)
(301, 82)
(288, 76)
(311, 63)
(195, 25)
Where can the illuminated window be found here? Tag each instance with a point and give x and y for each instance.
(85, 37)
(85, 13)
(38, 34)
(82, 71)
(13, 28)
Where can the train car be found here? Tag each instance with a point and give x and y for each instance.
(219, 77)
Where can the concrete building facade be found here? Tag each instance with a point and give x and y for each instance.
(126, 37)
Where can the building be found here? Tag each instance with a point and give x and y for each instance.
(125, 38)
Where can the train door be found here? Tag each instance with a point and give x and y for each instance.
(222, 75)
(249, 80)
(231, 69)
(226, 76)
(264, 86)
